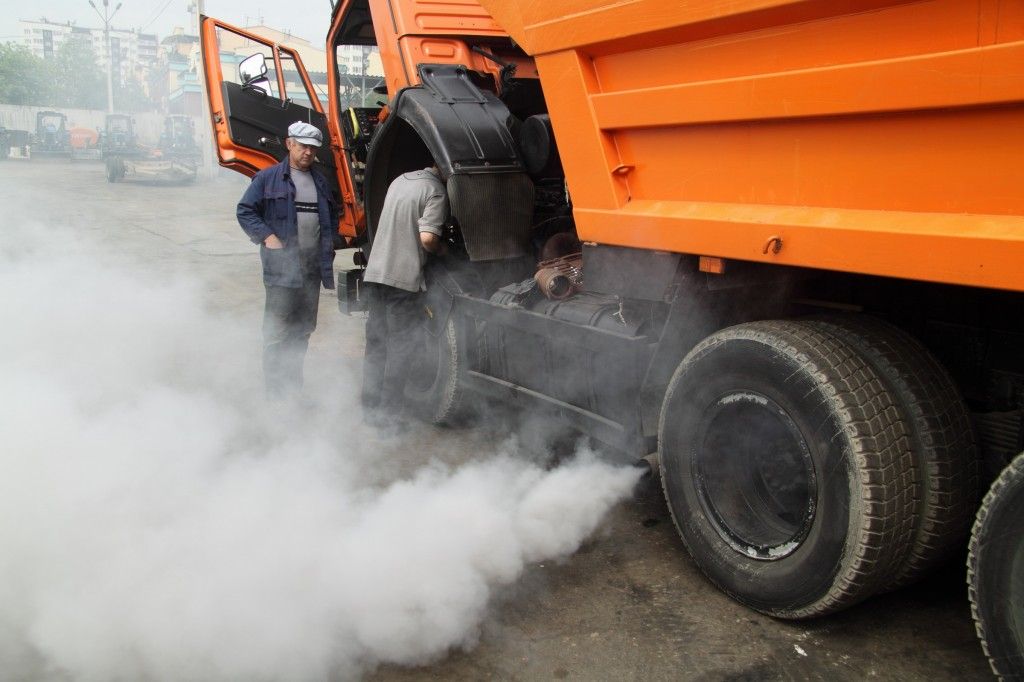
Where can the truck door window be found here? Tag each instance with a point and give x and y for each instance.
(359, 72)
(295, 87)
(234, 48)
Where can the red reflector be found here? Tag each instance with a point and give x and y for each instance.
(712, 264)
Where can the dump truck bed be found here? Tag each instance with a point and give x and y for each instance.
(862, 136)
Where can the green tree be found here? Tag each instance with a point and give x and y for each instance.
(157, 79)
(24, 78)
(131, 96)
(79, 80)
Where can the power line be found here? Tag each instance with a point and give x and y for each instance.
(149, 17)
(162, 9)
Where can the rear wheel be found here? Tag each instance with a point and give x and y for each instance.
(941, 437)
(995, 572)
(433, 388)
(115, 170)
(784, 465)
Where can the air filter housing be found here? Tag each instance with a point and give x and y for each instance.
(537, 147)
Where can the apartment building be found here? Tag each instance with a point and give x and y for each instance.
(134, 53)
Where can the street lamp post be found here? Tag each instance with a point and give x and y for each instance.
(105, 18)
(208, 142)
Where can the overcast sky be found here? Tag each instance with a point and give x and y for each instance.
(304, 18)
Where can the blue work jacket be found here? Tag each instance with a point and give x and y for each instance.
(268, 207)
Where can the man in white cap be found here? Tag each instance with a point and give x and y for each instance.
(290, 212)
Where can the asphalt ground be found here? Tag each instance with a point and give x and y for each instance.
(630, 604)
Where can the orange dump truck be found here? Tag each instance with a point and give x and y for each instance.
(780, 243)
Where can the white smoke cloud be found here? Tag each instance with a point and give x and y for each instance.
(158, 521)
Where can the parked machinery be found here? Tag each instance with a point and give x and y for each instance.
(178, 137)
(174, 159)
(13, 139)
(51, 138)
(118, 135)
(119, 145)
(85, 144)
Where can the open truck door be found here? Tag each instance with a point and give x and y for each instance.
(256, 89)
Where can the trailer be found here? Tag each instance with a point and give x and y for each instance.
(777, 243)
(152, 166)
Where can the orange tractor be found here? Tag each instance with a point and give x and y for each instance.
(780, 243)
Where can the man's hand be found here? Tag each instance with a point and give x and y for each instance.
(272, 242)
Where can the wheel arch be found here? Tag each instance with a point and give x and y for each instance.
(451, 123)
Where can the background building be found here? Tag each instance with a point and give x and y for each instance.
(179, 90)
(167, 69)
(133, 53)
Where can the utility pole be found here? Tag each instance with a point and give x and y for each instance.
(206, 137)
(105, 18)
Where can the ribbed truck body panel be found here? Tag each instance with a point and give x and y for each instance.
(866, 136)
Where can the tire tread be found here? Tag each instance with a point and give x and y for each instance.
(941, 436)
(881, 454)
(1011, 480)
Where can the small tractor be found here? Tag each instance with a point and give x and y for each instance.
(118, 135)
(174, 159)
(178, 138)
(13, 139)
(51, 138)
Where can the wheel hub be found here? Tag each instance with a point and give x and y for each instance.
(754, 476)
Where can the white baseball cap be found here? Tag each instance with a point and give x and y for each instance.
(306, 134)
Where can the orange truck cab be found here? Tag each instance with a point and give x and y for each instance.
(778, 242)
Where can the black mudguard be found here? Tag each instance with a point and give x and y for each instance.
(450, 122)
(465, 128)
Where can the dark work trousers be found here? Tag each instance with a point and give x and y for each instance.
(393, 329)
(289, 318)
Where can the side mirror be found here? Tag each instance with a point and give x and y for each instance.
(252, 68)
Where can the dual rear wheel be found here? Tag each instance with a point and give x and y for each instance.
(810, 464)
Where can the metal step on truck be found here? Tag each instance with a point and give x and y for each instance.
(779, 243)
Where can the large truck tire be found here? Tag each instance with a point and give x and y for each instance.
(433, 389)
(941, 437)
(787, 468)
(995, 572)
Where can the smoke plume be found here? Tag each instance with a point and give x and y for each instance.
(159, 521)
